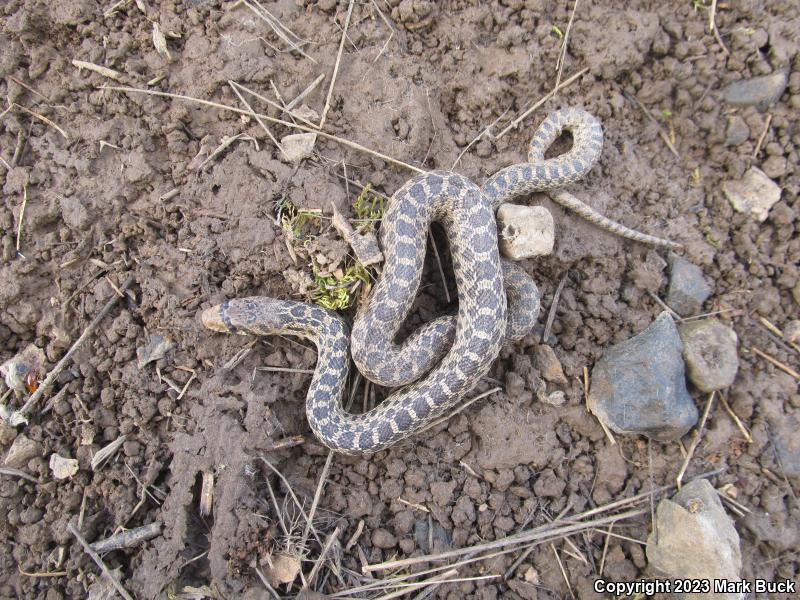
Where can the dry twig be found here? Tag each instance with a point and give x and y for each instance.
(19, 415)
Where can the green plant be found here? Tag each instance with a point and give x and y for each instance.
(293, 219)
(336, 293)
(369, 207)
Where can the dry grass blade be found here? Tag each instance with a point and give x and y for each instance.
(562, 54)
(271, 103)
(563, 570)
(336, 64)
(293, 496)
(283, 32)
(736, 419)
(461, 408)
(19, 415)
(515, 123)
(317, 495)
(540, 534)
(256, 117)
(22, 215)
(551, 315)
(99, 69)
(99, 562)
(11, 472)
(322, 556)
(698, 435)
(438, 262)
(106, 452)
(343, 141)
(301, 96)
(42, 118)
(776, 362)
(763, 135)
(663, 134)
(486, 131)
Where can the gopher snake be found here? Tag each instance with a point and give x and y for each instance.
(468, 342)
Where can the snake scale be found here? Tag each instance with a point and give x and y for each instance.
(445, 358)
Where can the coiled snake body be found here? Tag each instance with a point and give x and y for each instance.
(462, 347)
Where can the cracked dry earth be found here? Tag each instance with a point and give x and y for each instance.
(115, 183)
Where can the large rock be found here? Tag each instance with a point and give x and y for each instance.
(688, 289)
(761, 92)
(709, 348)
(695, 539)
(639, 386)
(754, 194)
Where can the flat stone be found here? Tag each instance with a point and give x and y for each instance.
(22, 450)
(754, 194)
(525, 231)
(688, 289)
(297, 146)
(761, 92)
(709, 348)
(694, 538)
(737, 131)
(639, 386)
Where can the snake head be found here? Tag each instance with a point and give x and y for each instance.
(212, 318)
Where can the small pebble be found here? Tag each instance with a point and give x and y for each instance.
(22, 450)
(549, 365)
(754, 194)
(709, 348)
(737, 131)
(297, 146)
(761, 92)
(688, 289)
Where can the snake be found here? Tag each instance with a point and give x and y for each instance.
(444, 359)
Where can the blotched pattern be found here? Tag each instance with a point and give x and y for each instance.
(454, 351)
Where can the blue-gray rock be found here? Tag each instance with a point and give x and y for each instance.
(694, 538)
(761, 92)
(688, 289)
(422, 535)
(639, 386)
(787, 442)
(737, 131)
(709, 348)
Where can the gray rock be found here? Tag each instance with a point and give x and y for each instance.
(639, 386)
(688, 289)
(737, 131)
(22, 450)
(423, 535)
(753, 194)
(787, 442)
(709, 348)
(761, 92)
(695, 538)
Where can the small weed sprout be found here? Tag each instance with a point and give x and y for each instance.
(369, 208)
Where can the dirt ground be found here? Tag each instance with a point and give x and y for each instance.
(95, 170)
